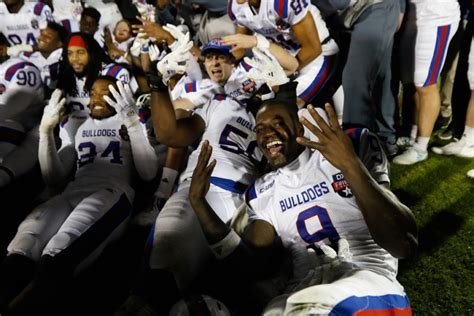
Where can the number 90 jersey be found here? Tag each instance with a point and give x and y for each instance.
(309, 202)
(230, 130)
(104, 156)
(21, 92)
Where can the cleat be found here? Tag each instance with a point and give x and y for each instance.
(410, 157)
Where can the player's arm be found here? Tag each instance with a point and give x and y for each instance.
(243, 42)
(259, 242)
(55, 167)
(307, 35)
(391, 224)
(144, 156)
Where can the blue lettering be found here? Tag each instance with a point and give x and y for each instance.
(325, 187)
(305, 196)
(282, 205)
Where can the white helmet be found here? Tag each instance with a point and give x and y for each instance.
(199, 305)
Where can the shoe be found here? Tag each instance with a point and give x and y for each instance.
(135, 306)
(458, 148)
(470, 174)
(391, 149)
(442, 122)
(446, 135)
(148, 216)
(410, 157)
(405, 141)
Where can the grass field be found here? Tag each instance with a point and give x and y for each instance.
(440, 279)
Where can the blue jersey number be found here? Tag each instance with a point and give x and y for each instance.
(89, 152)
(26, 78)
(228, 144)
(298, 5)
(327, 229)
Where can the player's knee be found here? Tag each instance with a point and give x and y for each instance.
(26, 244)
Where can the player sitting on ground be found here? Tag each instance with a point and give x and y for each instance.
(72, 228)
(321, 203)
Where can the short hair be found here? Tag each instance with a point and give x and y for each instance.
(111, 79)
(285, 96)
(60, 30)
(92, 12)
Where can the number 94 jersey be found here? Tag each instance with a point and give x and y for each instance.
(309, 202)
(104, 156)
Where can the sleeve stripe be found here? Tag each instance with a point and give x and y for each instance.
(220, 97)
(354, 135)
(10, 73)
(114, 71)
(250, 194)
(229, 11)
(281, 7)
(246, 66)
(38, 9)
(190, 87)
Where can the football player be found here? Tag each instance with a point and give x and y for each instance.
(344, 227)
(21, 22)
(48, 53)
(435, 23)
(71, 229)
(295, 25)
(21, 104)
(178, 250)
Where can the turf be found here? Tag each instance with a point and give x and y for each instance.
(439, 280)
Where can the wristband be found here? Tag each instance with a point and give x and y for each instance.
(262, 42)
(155, 81)
(227, 245)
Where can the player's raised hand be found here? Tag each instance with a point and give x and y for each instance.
(181, 38)
(201, 176)
(175, 63)
(124, 103)
(332, 142)
(266, 68)
(52, 112)
(239, 41)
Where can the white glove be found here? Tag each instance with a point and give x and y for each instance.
(140, 45)
(266, 68)
(343, 254)
(52, 112)
(15, 51)
(175, 62)
(181, 38)
(154, 52)
(124, 104)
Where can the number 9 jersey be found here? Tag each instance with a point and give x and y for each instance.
(310, 203)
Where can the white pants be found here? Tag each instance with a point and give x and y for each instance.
(355, 292)
(178, 242)
(77, 223)
(424, 46)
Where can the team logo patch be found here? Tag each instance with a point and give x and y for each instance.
(34, 24)
(341, 186)
(2, 88)
(124, 133)
(249, 86)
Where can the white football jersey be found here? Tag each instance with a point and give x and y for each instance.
(275, 18)
(309, 202)
(21, 92)
(230, 130)
(24, 27)
(104, 155)
(197, 91)
(49, 67)
(239, 86)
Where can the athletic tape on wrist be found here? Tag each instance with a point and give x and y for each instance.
(262, 42)
(226, 246)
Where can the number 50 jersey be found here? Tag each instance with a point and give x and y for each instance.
(230, 130)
